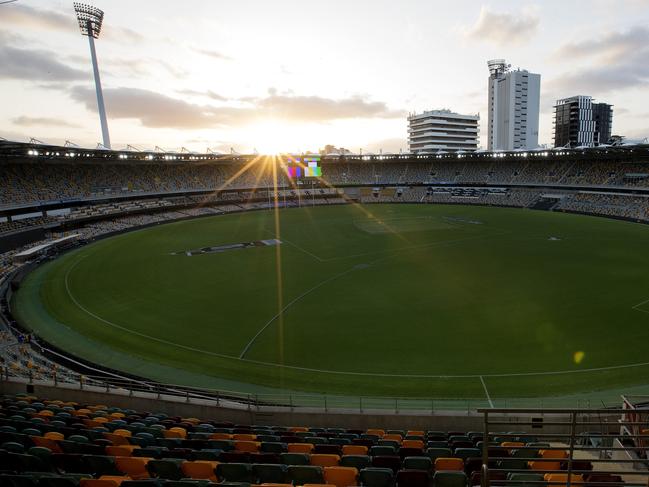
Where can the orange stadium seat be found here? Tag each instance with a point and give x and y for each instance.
(449, 464)
(134, 467)
(412, 444)
(299, 447)
(244, 437)
(200, 470)
(354, 450)
(341, 476)
(246, 446)
(378, 432)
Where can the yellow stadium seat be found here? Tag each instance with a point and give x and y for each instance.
(104, 481)
(341, 476)
(298, 429)
(54, 435)
(220, 436)
(116, 440)
(134, 467)
(175, 432)
(299, 447)
(354, 450)
(538, 465)
(200, 470)
(415, 433)
(393, 437)
(122, 432)
(551, 478)
(413, 444)
(560, 454)
(443, 463)
(377, 432)
(244, 437)
(246, 446)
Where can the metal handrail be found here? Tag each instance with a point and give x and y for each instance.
(573, 442)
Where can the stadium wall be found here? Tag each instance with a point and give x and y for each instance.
(469, 420)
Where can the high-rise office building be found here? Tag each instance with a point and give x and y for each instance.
(442, 130)
(578, 122)
(513, 107)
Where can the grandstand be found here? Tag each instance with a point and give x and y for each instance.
(50, 192)
(66, 443)
(106, 427)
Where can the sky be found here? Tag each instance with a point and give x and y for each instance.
(294, 75)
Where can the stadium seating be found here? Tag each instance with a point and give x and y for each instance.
(39, 440)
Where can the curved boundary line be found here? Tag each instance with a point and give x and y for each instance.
(288, 305)
(334, 372)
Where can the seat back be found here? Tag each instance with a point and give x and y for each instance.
(341, 476)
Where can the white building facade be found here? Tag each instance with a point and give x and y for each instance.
(442, 130)
(513, 108)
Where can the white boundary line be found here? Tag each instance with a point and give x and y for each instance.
(486, 391)
(288, 305)
(637, 306)
(337, 372)
(128, 330)
(319, 259)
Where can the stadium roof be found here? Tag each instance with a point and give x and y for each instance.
(31, 151)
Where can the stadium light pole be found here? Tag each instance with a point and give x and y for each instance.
(90, 19)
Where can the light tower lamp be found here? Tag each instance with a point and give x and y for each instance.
(90, 19)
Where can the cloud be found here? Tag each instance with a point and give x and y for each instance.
(212, 53)
(24, 16)
(25, 121)
(503, 28)
(152, 109)
(207, 94)
(316, 108)
(616, 61)
(35, 65)
(20, 15)
(609, 48)
(157, 110)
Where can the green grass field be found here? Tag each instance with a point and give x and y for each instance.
(391, 300)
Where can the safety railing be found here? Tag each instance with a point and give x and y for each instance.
(589, 447)
(280, 400)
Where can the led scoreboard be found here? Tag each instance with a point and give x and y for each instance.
(303, 167)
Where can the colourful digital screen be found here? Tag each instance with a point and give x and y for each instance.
(304, 167)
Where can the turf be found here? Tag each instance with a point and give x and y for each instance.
(393, 300)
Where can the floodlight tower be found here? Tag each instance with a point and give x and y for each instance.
(90, 19)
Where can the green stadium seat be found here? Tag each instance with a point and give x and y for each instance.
(418, 463)
(376, 477)
(357, 461)
(295, 459)
(382, 450)
(449, 479)
(272, 447)
(465, 453)
(234, 472)
(166, 469)
(435, 453)
(270, 473)
(305, 474)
